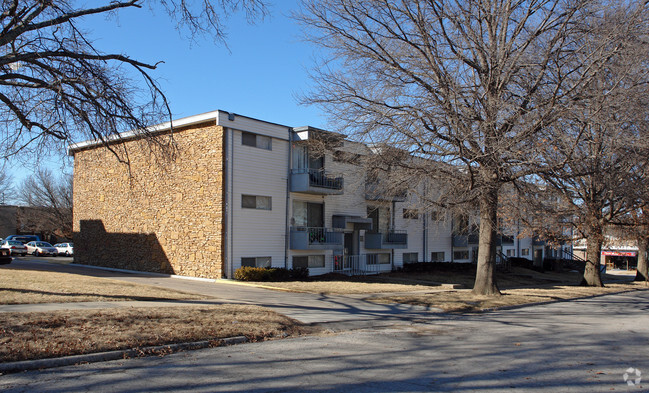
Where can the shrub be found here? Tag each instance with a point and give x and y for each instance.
(247, 273)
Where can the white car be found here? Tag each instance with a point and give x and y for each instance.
(15, 247)
(41, 248)
(66, 249)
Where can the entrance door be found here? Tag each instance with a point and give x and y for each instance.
(538, 257)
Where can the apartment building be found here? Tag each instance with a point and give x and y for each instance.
(238, 191)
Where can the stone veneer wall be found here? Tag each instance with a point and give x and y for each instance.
(159, 215)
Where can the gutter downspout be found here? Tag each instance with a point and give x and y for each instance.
(394, 207)
(231, 185)
(288, 197)
(425, 240)
(226, 204)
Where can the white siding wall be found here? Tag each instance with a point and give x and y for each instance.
(255, 171)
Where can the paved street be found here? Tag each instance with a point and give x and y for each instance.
(577, 346)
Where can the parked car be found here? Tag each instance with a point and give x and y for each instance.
(66, 249)
(24, 238)
(41, 248)
(5, 256)
(14, 246)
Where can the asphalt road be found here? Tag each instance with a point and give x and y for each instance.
(583, 345)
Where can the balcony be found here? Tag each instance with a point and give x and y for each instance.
(504, 240)
(376, 192)
(390, 239)
(315, 181)
(311, 238)
(464, 240)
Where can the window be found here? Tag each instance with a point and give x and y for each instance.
(381, 259)
(458, 255)
(256, 262)
(410, 257)
(437, 256)
(510, 252)
(254, 140)
(310, 261)
(410, 214)
(525, 252)
(435, 216)
(307, 214)
(256, 202)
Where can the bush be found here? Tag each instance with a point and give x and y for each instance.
(247, 273)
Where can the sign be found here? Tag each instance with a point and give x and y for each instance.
(620, 253)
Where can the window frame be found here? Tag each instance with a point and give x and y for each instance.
(403, 257)
(267, 261)
(247, 139)
(310, 264)
(258, 206)
(410, 214)
(437, 253)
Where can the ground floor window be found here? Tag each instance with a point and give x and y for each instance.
(462, 254)
(410, 257)
(525, 252)
(381, 259)
(308, 261)
(256, 261)
(510, 253)
(437, 256)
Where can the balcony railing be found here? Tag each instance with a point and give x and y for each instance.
(315, 238)
(464, 239)
(358, 265)
(389, 239)
(315, 181)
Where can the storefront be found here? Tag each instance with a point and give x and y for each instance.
(623, 259)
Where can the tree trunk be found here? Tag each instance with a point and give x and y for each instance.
(642, 272)
(592, 276)
(485, 281)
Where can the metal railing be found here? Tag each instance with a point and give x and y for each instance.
(395, 237)
(319, 178)
(502, 262)
(356, 265)
(319, 235)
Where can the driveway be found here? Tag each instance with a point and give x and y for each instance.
(577, 346)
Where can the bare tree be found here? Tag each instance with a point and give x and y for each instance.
(603, 140)
(53, 198)
(7, 189)
(56, 86)
(468, 87)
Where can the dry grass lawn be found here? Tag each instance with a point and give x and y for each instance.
(465, 301)
(32, 286)
(415, 282)
(25, 336)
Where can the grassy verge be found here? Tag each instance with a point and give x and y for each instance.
(519, 287)
(27, 336)
(465, 301)
(31, 286)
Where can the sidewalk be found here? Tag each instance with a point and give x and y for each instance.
(307, 308)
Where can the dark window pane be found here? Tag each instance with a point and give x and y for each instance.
(248, 139)
(248, 262)
(248, 201)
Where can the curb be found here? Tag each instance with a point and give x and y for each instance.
(38, 364)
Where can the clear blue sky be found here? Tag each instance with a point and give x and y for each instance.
(259, 76)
